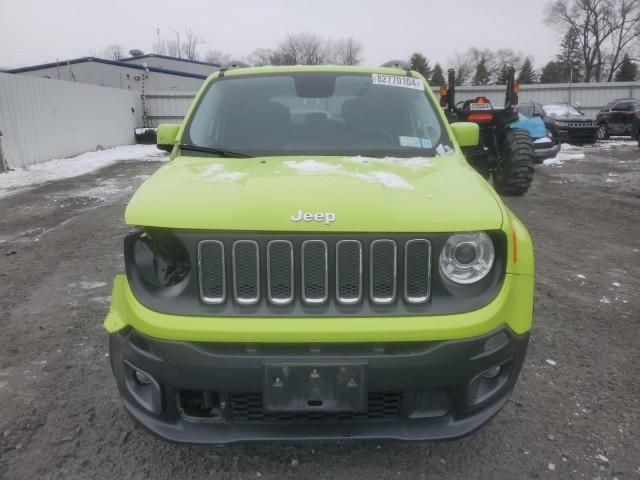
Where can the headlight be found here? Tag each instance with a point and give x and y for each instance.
(562, 124)
(467, 257)
(161, 258)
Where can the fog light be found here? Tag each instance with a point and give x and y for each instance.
(144, 388)
(142, 378)
(496, 342)
(492, 372)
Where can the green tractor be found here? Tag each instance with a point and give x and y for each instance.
(506, 152)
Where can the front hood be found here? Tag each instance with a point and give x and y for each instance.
(572, 118)
(346, 194)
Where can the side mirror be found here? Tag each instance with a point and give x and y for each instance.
(166, 136)
(467, 133)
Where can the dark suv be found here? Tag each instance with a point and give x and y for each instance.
(617, 118)
(564, 122)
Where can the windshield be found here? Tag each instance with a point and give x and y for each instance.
(560, 110)
(317, 113)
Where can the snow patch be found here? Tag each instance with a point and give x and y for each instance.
(388, 179)
(414, 163)
(60, 169)
(616, 284)
(215, 173)
(314, 166)
(553, 363)
(581, 276)
(87, 285)
(605, 300)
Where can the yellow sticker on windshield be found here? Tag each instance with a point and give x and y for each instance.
(397, 81)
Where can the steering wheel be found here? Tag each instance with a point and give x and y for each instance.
(370, 133)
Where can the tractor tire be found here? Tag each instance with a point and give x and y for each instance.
(514, 173)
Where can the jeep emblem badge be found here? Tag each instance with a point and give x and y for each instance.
(327, 218)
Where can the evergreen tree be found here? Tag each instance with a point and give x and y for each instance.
(437, 76)
(502, 76)
(526, 74)
(570, 57)
(554, 72)
(420, 64)
(627, 71)
(482, 74)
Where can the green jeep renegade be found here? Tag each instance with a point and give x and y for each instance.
(318, 261)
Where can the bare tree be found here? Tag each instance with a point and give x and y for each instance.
(113, 52)
(190, 44)
(216, 56)
(464, 64)
(347, 51)
(625, 23)
(167, 47)
(302, 49)
(261, 57)
(604, 29)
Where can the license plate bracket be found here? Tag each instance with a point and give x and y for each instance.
(314, 388)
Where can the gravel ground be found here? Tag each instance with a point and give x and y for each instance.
(575, 412)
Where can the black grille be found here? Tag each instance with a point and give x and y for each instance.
(212, 271)
(417, 271)
(245, 272)
(383, 271)
(315, 286)
(314, 272)
(349, 271)
(248, 407)
(280, 271)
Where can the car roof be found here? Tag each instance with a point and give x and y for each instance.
(312, 68)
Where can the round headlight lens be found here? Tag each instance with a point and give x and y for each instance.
(161, 258)
(467, 257)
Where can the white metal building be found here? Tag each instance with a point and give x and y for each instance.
(159, 73)
(173, 63)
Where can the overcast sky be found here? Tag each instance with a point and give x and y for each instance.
(39, 31)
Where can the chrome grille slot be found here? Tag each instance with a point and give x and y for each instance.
(280, 272)
(315, 285)
(417, 271)
(246, 275)
(211, 269)
(309, 273)
(348, 272)
(383, 271)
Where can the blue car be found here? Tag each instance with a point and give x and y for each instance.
(543, 143)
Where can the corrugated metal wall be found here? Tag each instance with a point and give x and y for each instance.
(167, 107)
(43, 119)
(590, 96)
(170, 107)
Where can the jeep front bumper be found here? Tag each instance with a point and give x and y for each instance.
(216, 393)
(215, 380)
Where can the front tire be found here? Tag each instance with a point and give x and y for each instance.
(603, 132)
(514, 173)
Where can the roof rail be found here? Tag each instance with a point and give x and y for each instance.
(234, 64)
(400, 64)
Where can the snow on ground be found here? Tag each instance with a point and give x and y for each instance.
(567, 152)
(60, 169)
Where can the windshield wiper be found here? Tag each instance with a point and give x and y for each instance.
(223, 152)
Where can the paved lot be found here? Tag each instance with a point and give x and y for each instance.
(575, 412)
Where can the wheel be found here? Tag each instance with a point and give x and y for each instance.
(603, 131)
(514, 173)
